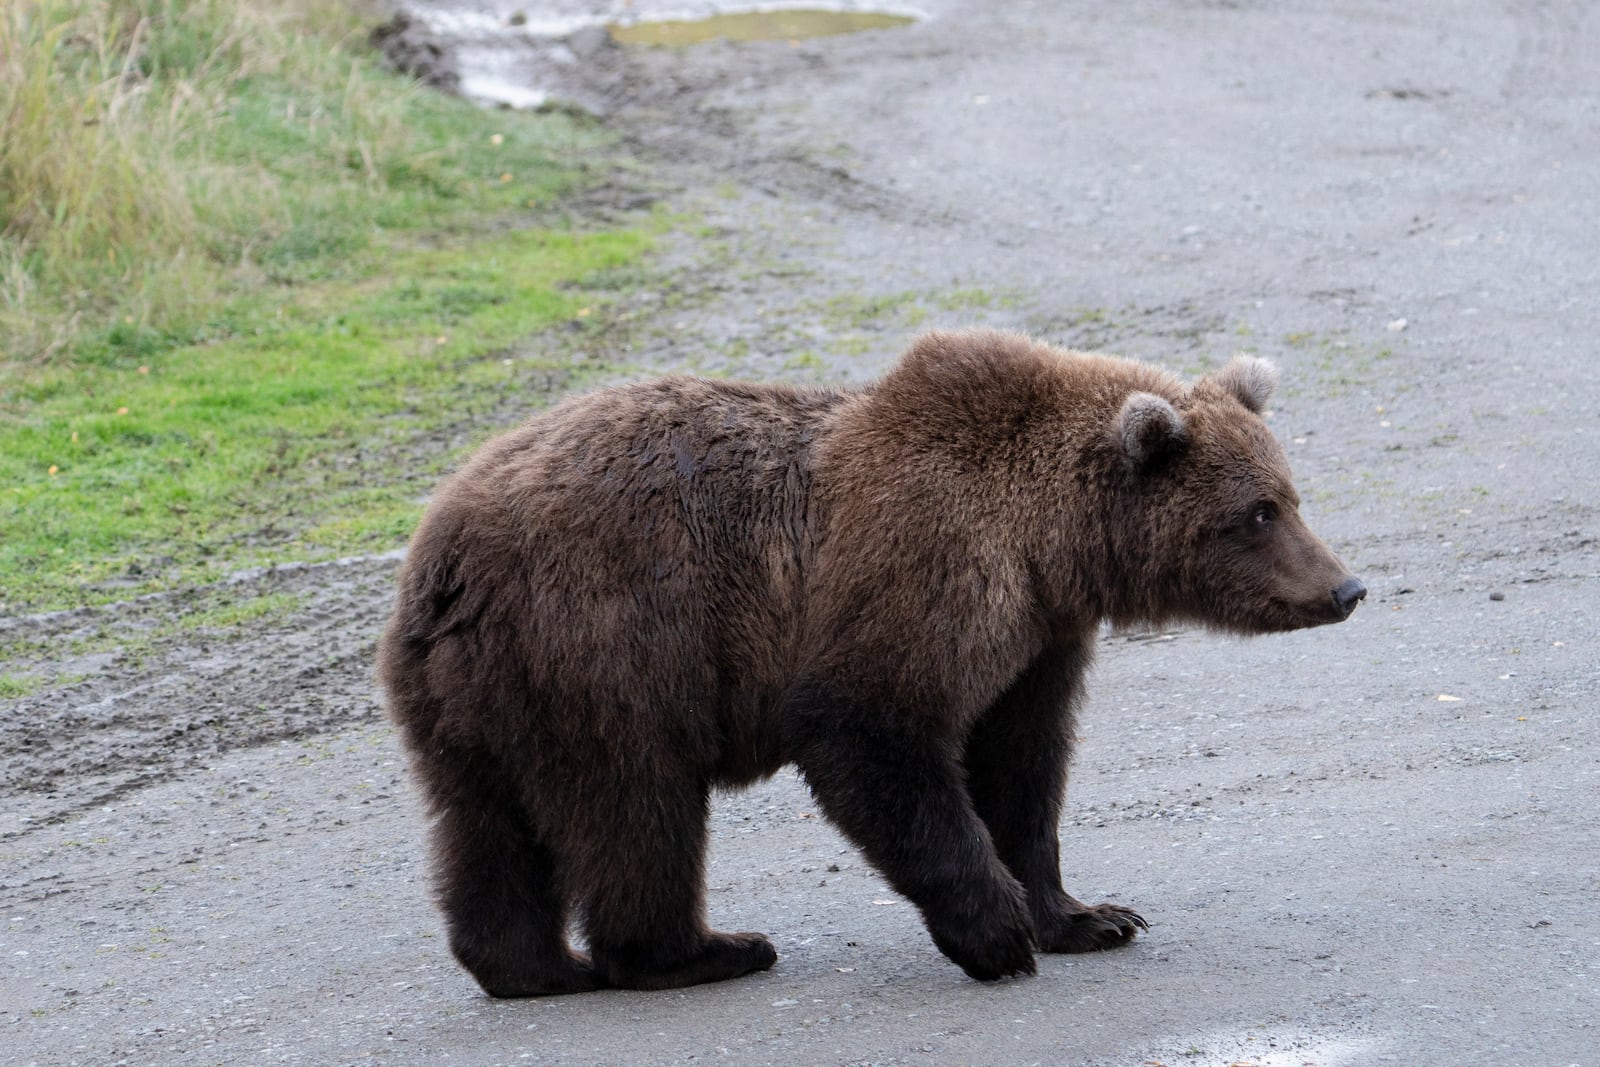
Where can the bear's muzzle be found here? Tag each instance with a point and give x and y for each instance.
(1350, 592)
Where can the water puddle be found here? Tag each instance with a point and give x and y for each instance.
(523, 54)
(790, 25)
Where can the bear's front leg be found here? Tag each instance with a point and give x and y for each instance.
(1016, 764)
(895, 790)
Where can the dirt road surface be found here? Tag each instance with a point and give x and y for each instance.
(1371, 843)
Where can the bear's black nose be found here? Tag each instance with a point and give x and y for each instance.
(1349, 592)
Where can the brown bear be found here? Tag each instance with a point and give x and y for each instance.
(679, 584)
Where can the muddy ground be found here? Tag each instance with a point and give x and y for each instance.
(1371, 843)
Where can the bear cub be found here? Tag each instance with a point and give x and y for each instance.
(679, 584)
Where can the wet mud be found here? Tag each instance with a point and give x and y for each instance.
(165, 684)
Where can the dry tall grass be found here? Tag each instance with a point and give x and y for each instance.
(141, 153)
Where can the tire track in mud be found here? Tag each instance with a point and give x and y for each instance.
(162, 696)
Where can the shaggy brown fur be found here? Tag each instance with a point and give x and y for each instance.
(679, 584)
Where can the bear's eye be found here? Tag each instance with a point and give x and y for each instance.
(1263, 515)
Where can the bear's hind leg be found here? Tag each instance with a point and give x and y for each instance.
(643, 873)
(501, 887)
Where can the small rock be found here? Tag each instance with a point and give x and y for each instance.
(1497, 595)
(590, 41)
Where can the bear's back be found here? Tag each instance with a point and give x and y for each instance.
(641, 547)
(651, 475)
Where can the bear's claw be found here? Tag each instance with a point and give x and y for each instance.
(1086, 928)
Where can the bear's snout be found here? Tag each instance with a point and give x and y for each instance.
(1350, 592)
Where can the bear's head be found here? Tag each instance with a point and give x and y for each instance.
(1222, 540)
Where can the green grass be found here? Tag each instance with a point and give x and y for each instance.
(231, 613)
(310, 438)
(16, 686)
(255, 292)
(160, 156)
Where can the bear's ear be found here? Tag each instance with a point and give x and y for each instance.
(1151, 430)
(1249, 378)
